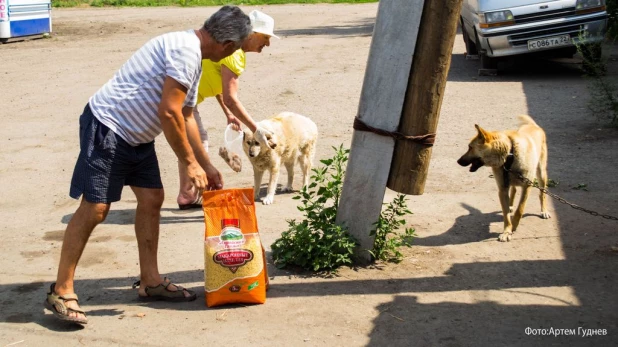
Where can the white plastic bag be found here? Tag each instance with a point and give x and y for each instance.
(233, 140)
(232, 151)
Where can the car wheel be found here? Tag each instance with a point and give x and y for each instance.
(487, 63)
(471, 48)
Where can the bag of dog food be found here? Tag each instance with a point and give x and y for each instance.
(234, 261)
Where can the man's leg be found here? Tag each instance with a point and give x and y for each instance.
(85, 219)
(147, 218)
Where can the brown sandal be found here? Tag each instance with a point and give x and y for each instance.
(57, 304)
(161, 293)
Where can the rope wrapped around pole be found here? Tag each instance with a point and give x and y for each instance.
(426, 140)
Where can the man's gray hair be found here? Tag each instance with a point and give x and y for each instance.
(230, 23)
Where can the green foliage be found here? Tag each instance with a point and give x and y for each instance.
(151, 3)
(580, 186)
(387, 241)
(550, 183)
(317, 243)
(603, 101)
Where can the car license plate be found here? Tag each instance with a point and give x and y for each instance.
(549, 42)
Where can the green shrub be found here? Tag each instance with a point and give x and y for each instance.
(603, 101)
(387, 241)
(317, 243)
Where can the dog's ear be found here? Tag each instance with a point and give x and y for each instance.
(270, 140)
(483, 135)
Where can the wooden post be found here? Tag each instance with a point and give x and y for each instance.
(380, 106)
(421, 110)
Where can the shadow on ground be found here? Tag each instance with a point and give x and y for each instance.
(360, 28)
(404, 319)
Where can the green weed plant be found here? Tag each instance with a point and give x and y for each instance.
(603, 101)
(387, 241)
(317, 243)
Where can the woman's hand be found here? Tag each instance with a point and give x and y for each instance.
(234, 121)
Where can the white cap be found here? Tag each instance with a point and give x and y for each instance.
(262, 23)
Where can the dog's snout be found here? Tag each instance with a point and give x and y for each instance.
(463, 162)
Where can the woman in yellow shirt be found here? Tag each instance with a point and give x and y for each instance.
(220, 79)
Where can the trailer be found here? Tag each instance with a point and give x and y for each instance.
(22, 19)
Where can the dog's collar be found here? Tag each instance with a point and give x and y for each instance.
(506, 168)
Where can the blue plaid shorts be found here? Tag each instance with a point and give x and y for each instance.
(107, 163)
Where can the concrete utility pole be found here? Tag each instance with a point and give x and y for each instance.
(402, 92)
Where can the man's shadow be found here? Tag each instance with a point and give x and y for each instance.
(472, 227)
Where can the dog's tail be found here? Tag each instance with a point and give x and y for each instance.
(526, 120)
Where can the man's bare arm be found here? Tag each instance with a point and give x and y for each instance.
(173, 125)
(215, 180)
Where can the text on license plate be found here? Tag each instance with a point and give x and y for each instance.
(549, 42)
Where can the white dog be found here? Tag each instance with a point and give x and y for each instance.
(294, 137)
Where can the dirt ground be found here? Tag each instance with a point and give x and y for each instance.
(457, 286)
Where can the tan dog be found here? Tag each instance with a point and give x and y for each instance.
(510, 153)
(294, 137)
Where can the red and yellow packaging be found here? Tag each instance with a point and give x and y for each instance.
(234, 262)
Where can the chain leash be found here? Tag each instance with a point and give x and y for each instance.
(545, 191)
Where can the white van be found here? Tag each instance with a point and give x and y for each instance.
(498, 28)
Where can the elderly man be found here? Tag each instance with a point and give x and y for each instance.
(221, 80)
(154, 91)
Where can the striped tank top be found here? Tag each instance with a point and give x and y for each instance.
(128, 103)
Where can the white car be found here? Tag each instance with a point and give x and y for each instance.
(498, 28)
